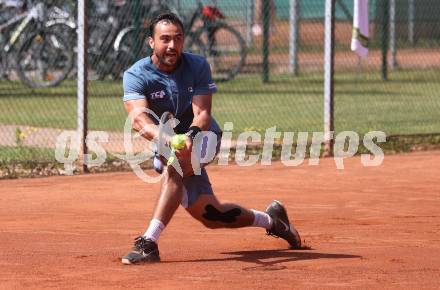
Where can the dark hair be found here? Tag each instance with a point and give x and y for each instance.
(168, 17)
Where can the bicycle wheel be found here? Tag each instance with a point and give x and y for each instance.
(224, 49)
(130, 47)
(44, 59)
(99, 51)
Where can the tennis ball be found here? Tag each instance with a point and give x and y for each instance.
(178, 141)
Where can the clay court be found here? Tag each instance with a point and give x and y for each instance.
(375, 227)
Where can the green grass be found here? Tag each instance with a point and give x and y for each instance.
(57, 107)
(24, 154)
(407, 104)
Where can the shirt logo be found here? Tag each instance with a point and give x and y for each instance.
(190, 89)
(157, 95)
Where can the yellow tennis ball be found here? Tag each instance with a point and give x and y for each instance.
(178, 141)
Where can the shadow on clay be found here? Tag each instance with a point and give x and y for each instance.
(270, 260)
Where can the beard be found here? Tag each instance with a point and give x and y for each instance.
(168, 59)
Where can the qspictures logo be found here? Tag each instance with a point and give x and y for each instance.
(205, 147)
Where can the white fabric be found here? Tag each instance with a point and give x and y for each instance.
(360, 28)
(154, 230)
(262, 220)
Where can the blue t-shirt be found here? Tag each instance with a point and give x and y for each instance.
(171, 92)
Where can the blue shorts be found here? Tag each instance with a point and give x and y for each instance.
(195, 185)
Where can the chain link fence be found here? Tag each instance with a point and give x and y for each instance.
(396, 92)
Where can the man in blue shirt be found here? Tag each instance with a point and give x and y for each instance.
(174, 81)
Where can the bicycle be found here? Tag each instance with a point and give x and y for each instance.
(131, 43)
(222, 45)
(42, 56)
(104, 30)
(104, 33)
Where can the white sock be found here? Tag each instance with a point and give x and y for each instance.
(262, 219)
(154, 230)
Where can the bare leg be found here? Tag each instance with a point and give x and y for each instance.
(170, 196)
(213, 214)
(145, 248)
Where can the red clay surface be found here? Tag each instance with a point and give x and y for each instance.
(374, 227)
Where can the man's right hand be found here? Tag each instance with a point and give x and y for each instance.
(184, 157)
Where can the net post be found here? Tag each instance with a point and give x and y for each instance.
(329, 57)
(393, 36)
(411, 18)
(266, 26)
(82, 92)
(249, 22)
(384, 38)
(294, 36)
